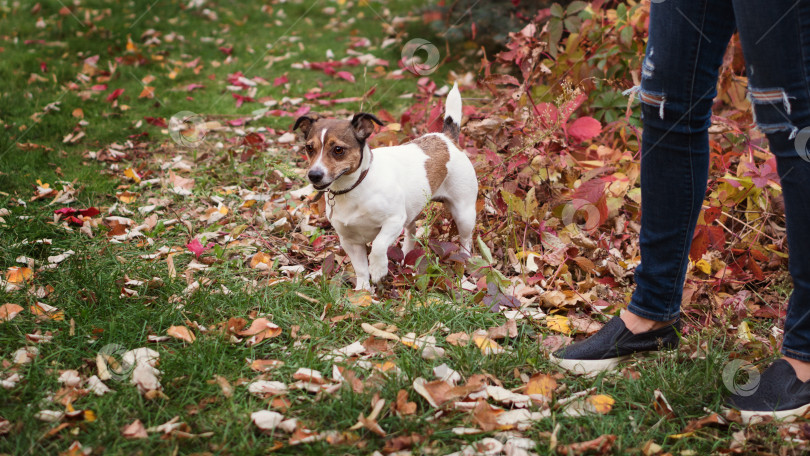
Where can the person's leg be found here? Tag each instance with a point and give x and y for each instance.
(685, 50)
(776, 44)
(687, 41)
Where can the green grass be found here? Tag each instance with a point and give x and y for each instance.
(87, 286)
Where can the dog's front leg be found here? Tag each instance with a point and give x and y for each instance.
(378, 259)
(357, 253)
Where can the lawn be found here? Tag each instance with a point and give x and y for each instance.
(167, 289)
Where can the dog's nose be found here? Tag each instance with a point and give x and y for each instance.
(315, 175)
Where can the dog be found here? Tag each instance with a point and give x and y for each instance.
(373, 194)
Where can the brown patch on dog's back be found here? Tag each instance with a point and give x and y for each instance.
(438, 156)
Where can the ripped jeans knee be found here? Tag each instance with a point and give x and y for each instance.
(772, 110)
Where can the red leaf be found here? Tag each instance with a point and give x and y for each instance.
(280, 80)
(197, 248)
(115, 94)
(89, 212)
(584, 128)
(345, 75)
(156, 121)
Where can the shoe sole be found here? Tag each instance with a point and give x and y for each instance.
(787, 416)
(588, 366)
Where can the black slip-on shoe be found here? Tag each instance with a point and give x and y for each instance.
(611, 345)
(780, 395)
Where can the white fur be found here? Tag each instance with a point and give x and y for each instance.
(452, 107)
(392, 196)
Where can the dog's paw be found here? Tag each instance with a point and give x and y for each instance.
(364, 286)
(378, 267)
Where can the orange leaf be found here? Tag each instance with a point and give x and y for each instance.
(19, 274)
(260, 257)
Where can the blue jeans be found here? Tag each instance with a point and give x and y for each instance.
(679, 75)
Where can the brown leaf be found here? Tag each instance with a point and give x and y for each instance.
(661, 405)
(227, 389)
(8, 311)
(134, 430)
(509, 329)
(712, 419)
(182, 333)
(403, 442)
(402, 406)
(459, 339)
(599, 445)
(265, 365)
(235, 324)
(486, 416)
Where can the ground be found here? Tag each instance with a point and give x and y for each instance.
(168, 287)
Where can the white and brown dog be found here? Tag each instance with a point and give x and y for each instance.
(373, 194)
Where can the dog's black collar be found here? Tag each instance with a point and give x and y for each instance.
(333, 193)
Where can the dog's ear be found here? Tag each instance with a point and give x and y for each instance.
(305, 123)
(363, 125)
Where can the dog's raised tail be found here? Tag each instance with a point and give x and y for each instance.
(452, 113)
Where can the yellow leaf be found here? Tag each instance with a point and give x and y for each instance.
(126, 197)
(681, 436)
(360, 298)
(394, 126)
(132, 174)
(744, 332)
(89, 415)
(704, 266)
(385, 367)
(78, 113)
(181, 332)
(541, 384)
(602, 403)
(558, 323)
(487, 345)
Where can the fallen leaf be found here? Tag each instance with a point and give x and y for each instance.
(601, 445)
(8, 311)
(135, 430)
(182, 333)
(541, 384)
(558, 323)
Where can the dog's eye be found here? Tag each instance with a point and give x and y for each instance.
(338, 150)
(309, 148)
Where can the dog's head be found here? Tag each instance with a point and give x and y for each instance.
(334, 147)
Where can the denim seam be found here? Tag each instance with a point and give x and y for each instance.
(686, 235)
(796, 354)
